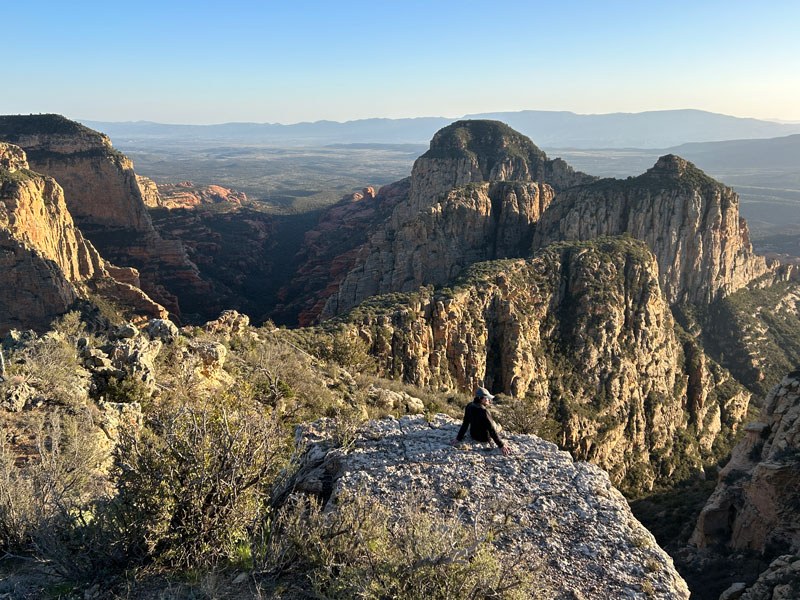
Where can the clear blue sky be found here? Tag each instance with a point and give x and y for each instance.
(213, 62)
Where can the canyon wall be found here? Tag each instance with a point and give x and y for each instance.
(582, 335)
(45, 258)
(689, 221)
(105, 198)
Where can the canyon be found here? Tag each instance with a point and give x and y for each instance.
(627, 321)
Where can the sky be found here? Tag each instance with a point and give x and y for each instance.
(290, 61)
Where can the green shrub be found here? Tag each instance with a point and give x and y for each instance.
(362, 550)
(192, 480)
(345, 349)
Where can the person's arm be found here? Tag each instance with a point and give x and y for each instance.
(493, 431)
(495, 436)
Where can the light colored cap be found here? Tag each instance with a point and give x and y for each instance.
(482, 392)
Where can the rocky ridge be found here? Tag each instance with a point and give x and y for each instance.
(581, 336)
(104, 197)
(566, 516)
(689, 221)
(446, 223)
(755, 503)
(45, 259)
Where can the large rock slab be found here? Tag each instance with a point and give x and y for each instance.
(570, 519)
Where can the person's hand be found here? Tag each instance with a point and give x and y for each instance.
(506, 450)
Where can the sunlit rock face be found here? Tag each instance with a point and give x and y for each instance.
(475, 195)
(45, 257)
(583, 334)
(689, 221)
(106, 200)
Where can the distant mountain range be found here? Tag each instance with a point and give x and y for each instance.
(653, 129)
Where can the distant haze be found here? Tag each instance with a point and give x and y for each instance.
(656, 129)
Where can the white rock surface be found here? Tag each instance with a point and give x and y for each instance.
(571, 520)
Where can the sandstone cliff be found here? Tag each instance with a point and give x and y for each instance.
(569, 526)
(580, 335)
(689, 221)
(45, 258)
(474, 196)
(105, 199)
(755, 505)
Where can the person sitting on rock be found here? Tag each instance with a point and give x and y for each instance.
(479, 421)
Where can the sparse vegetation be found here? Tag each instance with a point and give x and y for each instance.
(362, 551)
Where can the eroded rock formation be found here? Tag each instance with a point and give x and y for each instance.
(105, 199)
(474, 196)
(187, 195)
(582, 333)
(755, 504)
(689, 221)
(45, 259)
(566, 516)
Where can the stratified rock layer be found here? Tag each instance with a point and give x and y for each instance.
(583, 334)
(469, 224)
(755, 505)
(44, 256)
(457, 211)
(187, 195)
(689, 221)
(568, 517)
(105, 199)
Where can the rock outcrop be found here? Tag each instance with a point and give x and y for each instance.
(105, 198)
(756, 505)
(580, 335)
(566, 518)
(689, 221)
(188, 195)
(474, 195)
(45, 259)
(781, 581)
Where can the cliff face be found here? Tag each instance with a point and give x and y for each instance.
(755, 505)
(582, 334)
(473, 196)
(563, 514)
(44, 255)
(469, 224)
(474, 151)
(689, 221)
(105, 199)
(332, 247)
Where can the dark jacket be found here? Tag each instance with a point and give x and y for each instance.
(480, 424)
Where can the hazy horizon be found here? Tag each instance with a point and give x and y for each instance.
(453, 117)
(206, 63)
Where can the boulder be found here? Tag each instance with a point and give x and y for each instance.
(162, 329)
